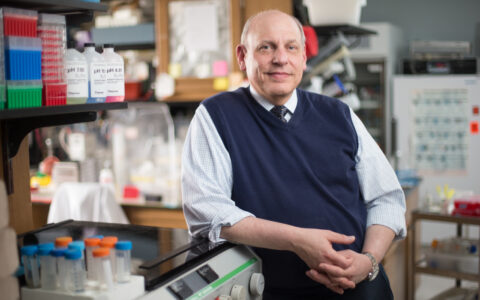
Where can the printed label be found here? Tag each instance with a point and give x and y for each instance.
(98, 80)
(77, 80)
(115, 80)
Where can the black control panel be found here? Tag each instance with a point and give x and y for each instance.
(188, 285)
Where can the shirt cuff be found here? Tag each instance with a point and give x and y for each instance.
(230, 220)
(395, 219)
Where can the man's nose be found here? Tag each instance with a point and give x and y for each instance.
(280, 56)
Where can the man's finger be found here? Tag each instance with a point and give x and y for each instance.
(336, 259)
(319, 277)
(339, 238)
(332, 270)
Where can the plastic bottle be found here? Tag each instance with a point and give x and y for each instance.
(90, 245)
(76, 70)
(80, 246)
(115, 74)
(109, 243)
(59, 255)
(75, 271)
(97, 75)
(101, 258)
(30, 265)
(48, 268)
(122, 260)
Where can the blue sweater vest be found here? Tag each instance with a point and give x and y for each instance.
(300, 173)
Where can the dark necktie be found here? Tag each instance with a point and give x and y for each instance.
(280, 111)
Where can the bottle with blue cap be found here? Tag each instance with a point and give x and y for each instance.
(48, 267)
(76, 272)
(123, 254)
(30, 265)
(59, 255)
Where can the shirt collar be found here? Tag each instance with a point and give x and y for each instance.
(291, 104)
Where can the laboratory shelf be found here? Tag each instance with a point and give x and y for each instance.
(346, 29)
(75, 11)
(17, 123)
(138, 37)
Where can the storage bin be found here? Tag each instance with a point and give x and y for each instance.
(24, 93)
(328, 12)
(443, 261)
(54, 94)
(468, 264)
(19, 22)
(23, 58)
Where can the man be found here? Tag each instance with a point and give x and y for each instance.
(293, 174)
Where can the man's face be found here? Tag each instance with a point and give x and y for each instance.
(273, 56)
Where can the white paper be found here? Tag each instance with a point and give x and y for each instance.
(440, 129)
(201, 27)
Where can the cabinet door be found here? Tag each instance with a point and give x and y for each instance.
(370, 83)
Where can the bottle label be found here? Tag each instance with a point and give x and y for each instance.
(115, 80)
(77, 80)
(98, 80)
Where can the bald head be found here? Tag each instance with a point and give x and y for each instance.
(267, 13)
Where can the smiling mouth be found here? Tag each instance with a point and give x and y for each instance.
(278, 75)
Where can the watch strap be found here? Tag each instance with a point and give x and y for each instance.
(372, 274)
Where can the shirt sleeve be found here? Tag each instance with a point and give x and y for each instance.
(207, 180)
(379, 185)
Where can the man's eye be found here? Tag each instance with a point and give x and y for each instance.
(265, 47)
(292, 47)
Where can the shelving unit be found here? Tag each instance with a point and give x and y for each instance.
(16, 124)
(138, 37)
(416, 266)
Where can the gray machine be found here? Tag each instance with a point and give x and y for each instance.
(171, 268)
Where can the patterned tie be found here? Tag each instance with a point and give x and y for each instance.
(280, 111)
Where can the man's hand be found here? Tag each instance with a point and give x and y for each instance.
(314, 247)
(357, 271)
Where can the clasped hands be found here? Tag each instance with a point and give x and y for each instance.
(337, 270)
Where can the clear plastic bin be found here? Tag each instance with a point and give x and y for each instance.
(23, 58)
(19, 22)
(24, 93)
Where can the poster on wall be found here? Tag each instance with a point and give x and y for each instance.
(440, 130)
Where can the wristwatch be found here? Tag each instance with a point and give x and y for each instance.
(374, 271)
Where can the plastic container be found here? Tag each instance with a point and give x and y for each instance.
(468, 264)
(122, 259)
(63, 241)
(59, 255)
(23, 58)
(90, 245)
(80, 246)
(24, 93)
(19, 22)
(101, 258)
(49, 246)
(30, 265)
(326, 12)
(75, 271)
(48, 268)
(3, 86)
(115, 74)
(109, 243)
(76, 75)
(97, 75)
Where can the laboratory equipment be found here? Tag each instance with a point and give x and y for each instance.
(90, 245)
(122, 260)
(101, 257)
(75, 271)
(115, 74)
(76, 75)
(62, 241)
(48, 268)
(97, 74)
(166, 265)
(30, 265)
(59, 255)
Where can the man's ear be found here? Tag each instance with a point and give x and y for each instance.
(304, 58)
(241, 53)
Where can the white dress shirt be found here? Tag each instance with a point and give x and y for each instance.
(207, 178)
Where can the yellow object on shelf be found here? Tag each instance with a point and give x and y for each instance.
(40, 180)
(220, 84)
